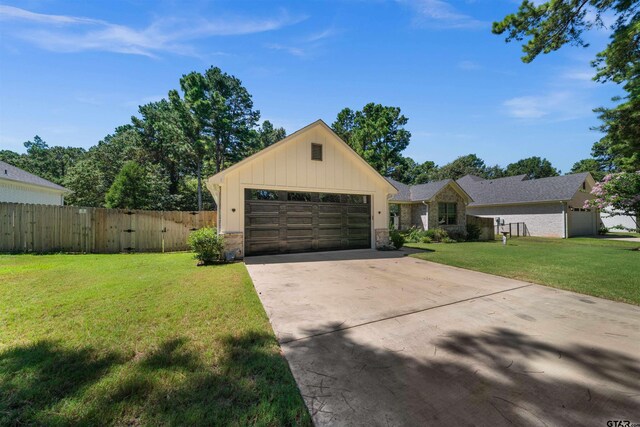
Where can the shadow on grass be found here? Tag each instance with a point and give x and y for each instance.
(496, 377)
(172, 385)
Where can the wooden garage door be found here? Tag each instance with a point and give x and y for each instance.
(285, 222)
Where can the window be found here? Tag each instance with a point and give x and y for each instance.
(447, 214)
(264, 195)
(356, 199)
(329, 198)
(316, 152)
(299, 197)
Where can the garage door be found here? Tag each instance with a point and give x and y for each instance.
(581, 222)
(284, 221)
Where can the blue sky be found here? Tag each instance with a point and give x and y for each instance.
(73, 71)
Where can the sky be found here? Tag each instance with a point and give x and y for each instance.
(71, 72)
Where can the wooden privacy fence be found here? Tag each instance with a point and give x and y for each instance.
(47, 228)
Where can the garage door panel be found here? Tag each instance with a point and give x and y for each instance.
(264, 208)
(265, 233)
(262, 220)
(299, 220)
(288, 225)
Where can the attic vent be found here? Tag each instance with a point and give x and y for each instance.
(6, 172)
(316, 152)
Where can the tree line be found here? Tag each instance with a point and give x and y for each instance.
(159, 160)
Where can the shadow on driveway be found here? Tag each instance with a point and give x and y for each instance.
(497, 377)
(348, 255)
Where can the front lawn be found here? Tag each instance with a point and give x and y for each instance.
(145, 339)
(604, 268)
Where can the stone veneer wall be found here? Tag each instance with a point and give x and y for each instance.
(382, 237)
(233, 242)
(405, 216)
(448, 195)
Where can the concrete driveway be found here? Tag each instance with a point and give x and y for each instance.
(378, 338)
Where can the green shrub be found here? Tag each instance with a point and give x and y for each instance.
(473, 232)
(426, 239)
(458, 235)
(207, 244)
(413, 235)
(448, 240)
(436, 234)
(397, 239)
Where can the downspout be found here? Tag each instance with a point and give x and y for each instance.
(565, 219)
(427, 214)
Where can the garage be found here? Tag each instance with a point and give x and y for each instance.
(582, 222)
(288, 221)
(308, 192)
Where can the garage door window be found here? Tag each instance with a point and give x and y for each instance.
(447, 214)
(264, 195)
(354, 198)
(329, 198)
(299, 197)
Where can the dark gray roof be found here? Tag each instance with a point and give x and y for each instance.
(417, 193)
(513, 190)
(13, 173)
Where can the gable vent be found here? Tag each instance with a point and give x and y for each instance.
(316, 152)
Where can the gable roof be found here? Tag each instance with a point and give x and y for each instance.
(424, 192)
(217, 178)
(517, 189)
(13, 173)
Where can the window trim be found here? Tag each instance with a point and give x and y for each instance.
(448, 215)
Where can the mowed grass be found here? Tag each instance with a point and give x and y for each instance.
(599, 267)
(145, 339)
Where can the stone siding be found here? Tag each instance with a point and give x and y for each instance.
(234, 242)
(448, 195)
(405, 216)
(382, 237)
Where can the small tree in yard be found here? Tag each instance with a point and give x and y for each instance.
(207, 244)
(619, 192)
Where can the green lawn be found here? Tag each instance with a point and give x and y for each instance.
(145, 339)
(604, 268)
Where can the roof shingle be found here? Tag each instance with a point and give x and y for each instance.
(13, 173)
(517, 189)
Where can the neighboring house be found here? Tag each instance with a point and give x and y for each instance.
(552, 207)
(19, 186)
(610, 221)
(440, 204)
(308, 192)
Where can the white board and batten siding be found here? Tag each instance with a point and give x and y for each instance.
(17, 192)
(289, 167)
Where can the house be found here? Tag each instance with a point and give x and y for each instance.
(552, 207)
(440, 204)
(19, 186)
(612, 218)
(307, 192)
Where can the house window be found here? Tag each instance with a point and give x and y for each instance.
(447, 213)
(316, 152)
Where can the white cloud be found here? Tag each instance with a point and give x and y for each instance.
(557, 106)
(469, 65)
(292, 50)
(581, 75)
(60, 33)
(441, 14)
